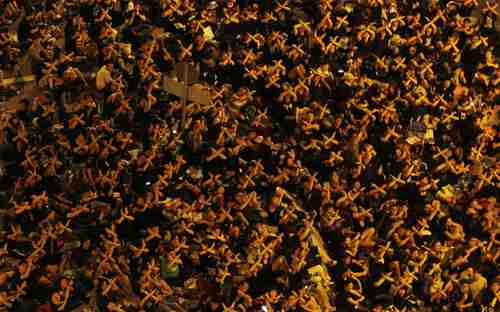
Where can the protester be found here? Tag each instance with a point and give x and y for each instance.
(347, 159)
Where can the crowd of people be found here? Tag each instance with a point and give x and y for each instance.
(347, 161)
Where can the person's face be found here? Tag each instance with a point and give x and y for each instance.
(64, 283)
(52, 268)
(23, 267)
(3, 278)
(198, 40)
(56, 299)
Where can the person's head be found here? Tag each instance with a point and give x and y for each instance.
(3, 278)
(198, 40)
(55, 298)
(212, 5)
(52, 268)
(64, 283)
(23, 267)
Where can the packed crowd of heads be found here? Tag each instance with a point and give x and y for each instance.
(347, 160)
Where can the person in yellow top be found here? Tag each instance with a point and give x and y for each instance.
(103, 77)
